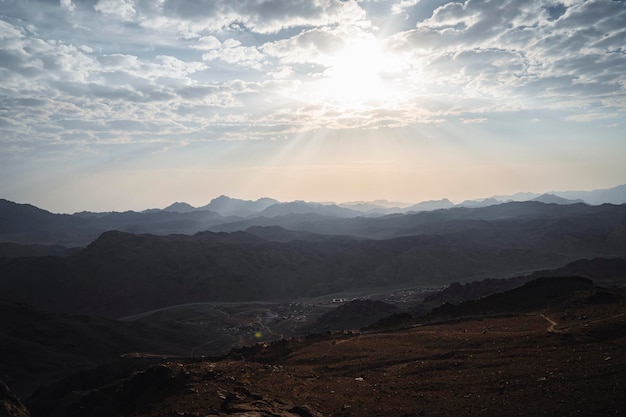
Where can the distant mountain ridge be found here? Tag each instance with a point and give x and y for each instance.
(614, 195)
(555, 199)
(27, 224)
(235, 207)
(122, 273)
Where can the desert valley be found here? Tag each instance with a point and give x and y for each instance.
(263, 308)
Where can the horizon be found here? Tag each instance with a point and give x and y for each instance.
(116, 105)
(502, 198)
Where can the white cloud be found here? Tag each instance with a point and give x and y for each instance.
(67, 4)
(402, 5)
(232, 52)
(590, 117)
(473, 121)
(206, 43)
(122, 9)
(208, 69)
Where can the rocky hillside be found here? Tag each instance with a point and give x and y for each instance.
(568, 359)
(10, 405)
(122, 274)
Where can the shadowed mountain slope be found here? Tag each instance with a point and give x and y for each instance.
(536, 295)
(27, 224)
(40, 347)
(353, 315)
(121, 274)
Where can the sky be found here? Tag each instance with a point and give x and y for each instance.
(135, 104)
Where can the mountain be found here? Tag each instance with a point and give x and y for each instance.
(366, 205)
(431, 205)
(353, 315)
(15, 250)
(479, 203)
(280, 234)
(554, 199)
(448, 221)
(40, 347)
(300, 207)
(227, 206)
(536, 295)
(615, 195)
(521, 196)
(376, 207)
(180, 208)
(121, 274)
(601, 270)
(457, 293)
(26, 224)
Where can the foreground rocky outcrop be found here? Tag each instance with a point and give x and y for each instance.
(168, 389)
(10, 405)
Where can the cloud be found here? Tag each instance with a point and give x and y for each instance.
(233, 52)
(193, 18)
(520, 48)
(473, 121)
(67, 4)
(218, 69)
(206, 43)
(121, 9)
(590, 117)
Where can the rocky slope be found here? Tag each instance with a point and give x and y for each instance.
(10, 405)
(567, 360)
(122, 274)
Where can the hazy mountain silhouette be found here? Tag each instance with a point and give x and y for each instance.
(24, 223)
(431, 205)
(479, 203)
(554, 199)
(227, 206)
(180, 208)
(301, 207)
(454, 220)
(615, 195)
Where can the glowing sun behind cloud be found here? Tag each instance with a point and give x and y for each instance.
(358, 75)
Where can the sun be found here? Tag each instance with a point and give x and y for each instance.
(360, 74)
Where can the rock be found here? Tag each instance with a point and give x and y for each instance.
(10, 405)
(242, 403)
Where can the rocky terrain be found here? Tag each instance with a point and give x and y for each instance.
(10, 405)
(565, 360)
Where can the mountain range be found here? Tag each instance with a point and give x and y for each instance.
(98, 289)
(122, 273)
(27, 224)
